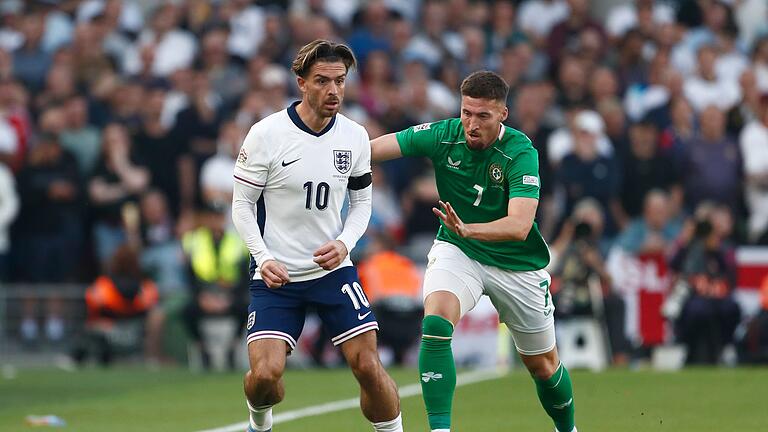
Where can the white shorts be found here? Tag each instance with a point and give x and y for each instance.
(522, 298)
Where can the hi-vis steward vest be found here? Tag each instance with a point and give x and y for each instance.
(211, 265)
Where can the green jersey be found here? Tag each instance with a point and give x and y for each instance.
(479, 184)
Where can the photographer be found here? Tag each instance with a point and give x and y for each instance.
(705, 275)
(583, 287)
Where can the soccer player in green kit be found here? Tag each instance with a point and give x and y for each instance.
(488, 243)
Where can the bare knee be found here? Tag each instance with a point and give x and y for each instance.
(264, 376)
(443, 304)
(366, 367)
(542, 366)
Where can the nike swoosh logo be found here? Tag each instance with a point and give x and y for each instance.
(362, 317)
(288, 163)
(565, 405)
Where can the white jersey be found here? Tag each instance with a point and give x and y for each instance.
(304, 176)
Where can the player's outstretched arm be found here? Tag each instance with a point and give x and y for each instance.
(513, 227)
(385, 148)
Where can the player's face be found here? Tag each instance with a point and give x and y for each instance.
(323, 89)
(481, 119)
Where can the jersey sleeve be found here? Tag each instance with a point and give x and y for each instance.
(420, 140)
(363, 162)
(252, 165)
(523, 175)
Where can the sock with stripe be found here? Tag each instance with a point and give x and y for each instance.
(260, 418)
(437, 371)
(556, 396)
(395, 425)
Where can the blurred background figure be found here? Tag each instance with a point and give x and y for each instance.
(392, 284)
(582, 284)
(217, 263)
(705, 276)
(117, 301)
(9, 207)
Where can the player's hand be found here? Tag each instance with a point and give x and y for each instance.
(451, 219)
(274, 274)
(331, 254)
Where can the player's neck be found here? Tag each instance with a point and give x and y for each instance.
(311, 118)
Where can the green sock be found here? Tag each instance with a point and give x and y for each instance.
(438, 372)
(556, 396)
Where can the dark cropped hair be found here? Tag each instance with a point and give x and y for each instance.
(321, 50)
(485, 85)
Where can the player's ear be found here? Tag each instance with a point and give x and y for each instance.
(302, 83)
(504, 113)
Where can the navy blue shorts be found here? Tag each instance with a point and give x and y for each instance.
(338, 298)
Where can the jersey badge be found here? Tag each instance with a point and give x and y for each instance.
(242, 156)
(342, 160)
(495, 172)
(453, 164)
(531, 180)
(421, 127)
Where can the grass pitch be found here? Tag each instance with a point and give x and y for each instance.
(117, 400)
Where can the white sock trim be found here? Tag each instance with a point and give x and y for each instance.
(394, 425)
(260, 418)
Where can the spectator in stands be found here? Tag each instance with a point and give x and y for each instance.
(561, 141)
(9, 208)
(81, 138)
(59, 87)
(161, 258)
(215, 185)
(623, 17)
(217, 261)
(565, 35)
(126, 104)
(372, 34)
(420, 226)
(386, 213)
(48, 230)
(711, 164)
(645, 169)
(760, 63)
(161, 48)
(754, 149)
(537, 18)
(49, 226)
(226, 77)
(170, 167)
(705, 267)
(706, 88)
(30, 60)
(119, 178)
(198, 123)
(655, 230)
(586, 173)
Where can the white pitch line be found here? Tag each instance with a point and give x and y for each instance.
(344, 404)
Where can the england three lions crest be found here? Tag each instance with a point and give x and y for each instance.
(342, 160)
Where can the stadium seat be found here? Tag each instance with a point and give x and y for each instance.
(581, 343)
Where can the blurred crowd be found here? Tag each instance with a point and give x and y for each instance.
(120, 121)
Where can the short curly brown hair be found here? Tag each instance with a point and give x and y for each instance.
(485, 85)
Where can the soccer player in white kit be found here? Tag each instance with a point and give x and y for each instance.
(303, 162)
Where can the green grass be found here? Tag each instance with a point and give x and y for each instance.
(119, 400)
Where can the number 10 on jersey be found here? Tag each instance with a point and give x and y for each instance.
(321, 197)
(356, 295)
